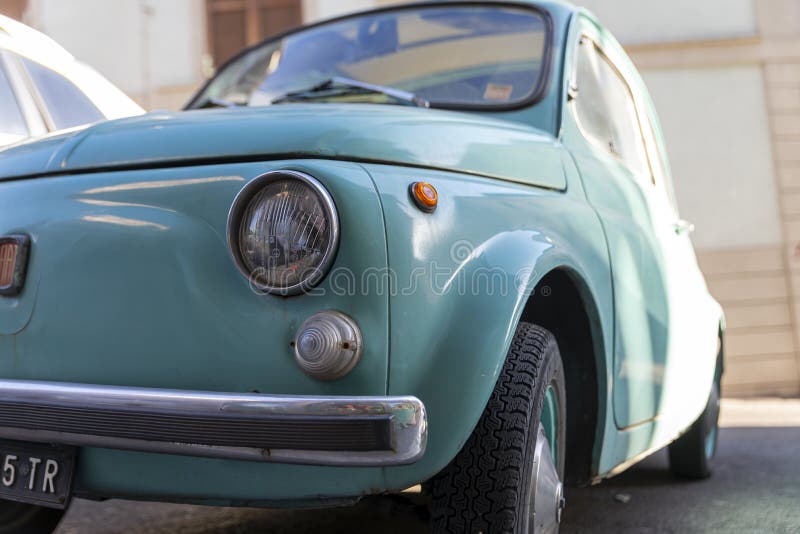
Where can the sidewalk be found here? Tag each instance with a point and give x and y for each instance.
(760, 413)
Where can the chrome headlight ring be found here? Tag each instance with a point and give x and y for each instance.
(257, 272)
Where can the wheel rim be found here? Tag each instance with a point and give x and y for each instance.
(711, 441)
(711, 437)
(547, 491)
(549, 421)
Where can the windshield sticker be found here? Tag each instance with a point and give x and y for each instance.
(498, 92)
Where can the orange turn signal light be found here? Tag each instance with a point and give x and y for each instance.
(425, 196)
(13, 261)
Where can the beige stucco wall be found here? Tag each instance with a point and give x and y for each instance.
(730, 116)
(321, 9)
(725, 76)
(732, 102)
(153, 50)
(658, 21)
(717, 130)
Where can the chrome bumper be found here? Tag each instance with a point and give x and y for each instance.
(346, 431)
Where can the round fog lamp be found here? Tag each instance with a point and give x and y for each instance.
(328, 345)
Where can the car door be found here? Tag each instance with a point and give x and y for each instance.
(694, 316)
(654, 273)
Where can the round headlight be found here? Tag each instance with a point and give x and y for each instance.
(283, 231)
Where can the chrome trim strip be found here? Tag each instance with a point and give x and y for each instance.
(408, 420)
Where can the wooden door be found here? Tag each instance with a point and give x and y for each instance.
(13, 8)
(236, 24)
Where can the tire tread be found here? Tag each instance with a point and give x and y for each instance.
(479, 490)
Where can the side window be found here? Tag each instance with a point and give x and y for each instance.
(605, 108)
(65, 103)
(12, 123)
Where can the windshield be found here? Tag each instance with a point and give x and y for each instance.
(457, 56)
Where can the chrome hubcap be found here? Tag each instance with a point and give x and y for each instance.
(547, 491)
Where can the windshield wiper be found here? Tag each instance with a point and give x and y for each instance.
(218, 103)
(338, 86)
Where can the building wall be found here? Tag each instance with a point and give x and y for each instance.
(717, 123)
(152, 50)
(728, 93)
(314, 10)
(13, 8)
(725, 76)
(722, 161)
(322, 9)
(653, 21)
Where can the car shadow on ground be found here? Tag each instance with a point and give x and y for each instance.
(755, 488)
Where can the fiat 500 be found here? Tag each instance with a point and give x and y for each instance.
(433, 244)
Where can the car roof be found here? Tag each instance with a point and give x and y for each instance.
(26, 41)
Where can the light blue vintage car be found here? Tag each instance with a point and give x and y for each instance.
(433, 244)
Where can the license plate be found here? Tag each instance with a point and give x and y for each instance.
(35, 473)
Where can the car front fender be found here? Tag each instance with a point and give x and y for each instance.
(459, 281)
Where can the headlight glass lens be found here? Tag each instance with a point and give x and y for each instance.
(287, 234)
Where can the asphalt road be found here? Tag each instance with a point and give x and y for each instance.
(755, 488)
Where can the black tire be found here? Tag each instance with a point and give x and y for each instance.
(691, 455)
(487, 486)
(18, 518)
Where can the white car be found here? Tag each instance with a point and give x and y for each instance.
(43, 88)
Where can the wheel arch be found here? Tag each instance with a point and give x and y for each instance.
(562, 303)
